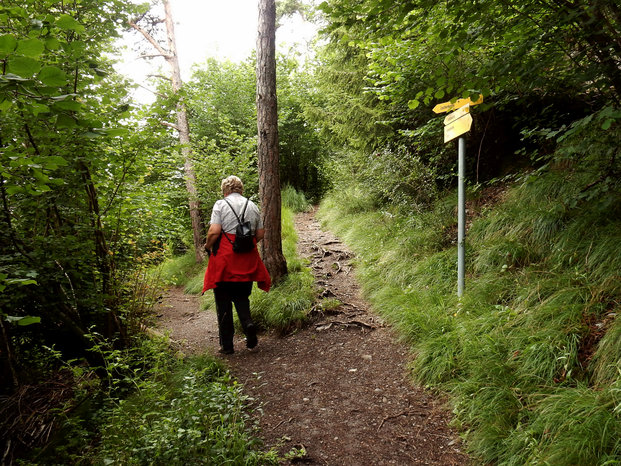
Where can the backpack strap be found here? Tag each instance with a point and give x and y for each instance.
(244, 211)
(236, 216)
(235, 213)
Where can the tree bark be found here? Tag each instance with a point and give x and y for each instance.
(183, 127)
(267, 126)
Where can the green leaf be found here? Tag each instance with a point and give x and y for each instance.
(12, 77)
(52, 43)
(24, 66)
(413, 104)
(30, 47)
(5, 105)
(63, 97)
(37, 108)
(23, 321)
(29, 320)
(607, 124)
(71, 105)
(21, 281)
(65, 121)
(7, 44)
(52, 76)
(69, 23)
(14, 189)
(54, 161)
(116, 132)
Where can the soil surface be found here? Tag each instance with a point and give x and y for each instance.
(339, 389)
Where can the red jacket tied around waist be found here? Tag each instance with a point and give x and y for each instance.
(229, 266)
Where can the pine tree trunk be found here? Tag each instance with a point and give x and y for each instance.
(267, 126)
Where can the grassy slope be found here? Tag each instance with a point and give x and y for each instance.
(531, 381)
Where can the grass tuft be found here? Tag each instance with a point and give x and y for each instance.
(294, 200)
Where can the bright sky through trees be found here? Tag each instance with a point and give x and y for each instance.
(225, 30)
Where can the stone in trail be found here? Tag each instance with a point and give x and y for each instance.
(339, 388)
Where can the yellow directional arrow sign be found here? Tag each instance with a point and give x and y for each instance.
(458, 127)
(460, 112)
(448, 106)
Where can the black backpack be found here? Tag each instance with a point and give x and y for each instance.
(244, 239)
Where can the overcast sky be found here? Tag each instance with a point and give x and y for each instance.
(224, 29)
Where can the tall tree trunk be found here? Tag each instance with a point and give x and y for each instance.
(183, 127)
(267, 126)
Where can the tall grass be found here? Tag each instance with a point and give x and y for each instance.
(294, 200)
(530, 380)
(179, 270)
(287, 304)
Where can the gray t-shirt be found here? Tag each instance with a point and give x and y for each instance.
(222, 214)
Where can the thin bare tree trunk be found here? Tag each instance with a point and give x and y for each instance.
(183, 127)
(267, 126)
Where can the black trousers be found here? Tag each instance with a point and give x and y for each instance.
(227, 294)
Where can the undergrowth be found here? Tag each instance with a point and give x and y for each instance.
(155, 409)
(190, 414)
(531, 355)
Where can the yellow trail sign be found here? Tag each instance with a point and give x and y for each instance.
(460, 112)
(458, 127)
(448, 106)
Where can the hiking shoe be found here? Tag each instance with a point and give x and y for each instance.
(226, 351)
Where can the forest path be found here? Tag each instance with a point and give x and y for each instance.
(340, 387)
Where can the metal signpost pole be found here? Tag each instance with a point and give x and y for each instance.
(461, 217)
(456, 124)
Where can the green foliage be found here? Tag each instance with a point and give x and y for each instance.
(196, 415)
(159, 410)
(531, 354)
(224, 130)
(222, 119)
(302, 153)
(461, 49)
(63, 171)
(384, 66)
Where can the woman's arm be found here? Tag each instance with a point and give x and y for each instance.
(212, 235)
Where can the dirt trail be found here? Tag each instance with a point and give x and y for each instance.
(339, 388)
